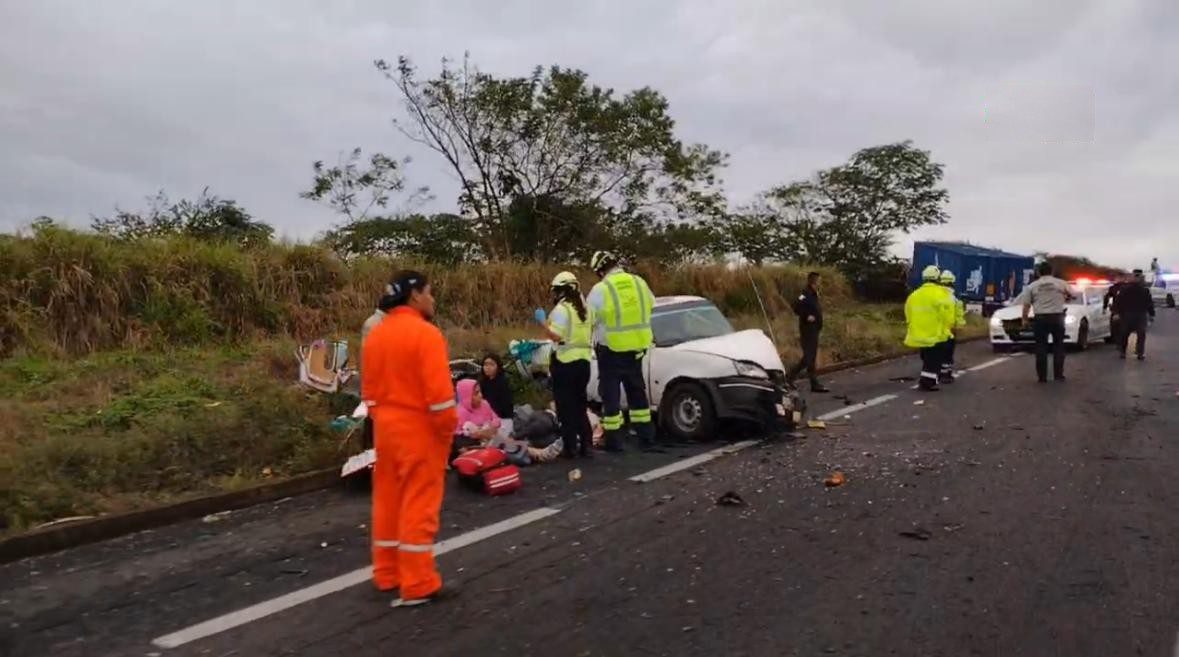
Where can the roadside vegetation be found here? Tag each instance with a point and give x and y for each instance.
(150, 358)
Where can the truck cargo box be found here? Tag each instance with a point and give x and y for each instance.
(987, 277)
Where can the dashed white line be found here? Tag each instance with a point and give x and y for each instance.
(652, 475)
(335, 584)
(362, 575)
(875, 401)
(989, 363)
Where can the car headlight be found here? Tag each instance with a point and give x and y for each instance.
(1070, 319)
(753, 370)
(996, 322)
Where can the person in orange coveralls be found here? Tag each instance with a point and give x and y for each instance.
(406, 383)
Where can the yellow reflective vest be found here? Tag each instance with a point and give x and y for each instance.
(625, 315)
(929, 312)
(576, 334)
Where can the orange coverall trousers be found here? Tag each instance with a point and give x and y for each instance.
(409, 478)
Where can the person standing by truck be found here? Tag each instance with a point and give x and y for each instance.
(810, 324)
(947, 279)
(1047, 295)
(1131, 308)
(928, 314)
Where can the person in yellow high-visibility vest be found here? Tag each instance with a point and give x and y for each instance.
(929, 315)
(570, 326)
(621, 305)
(947, 279)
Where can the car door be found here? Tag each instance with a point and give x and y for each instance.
(1098, 316)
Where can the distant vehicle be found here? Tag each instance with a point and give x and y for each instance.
(987, 278)
(1163, 291)
(1084, 322)
(702, 371)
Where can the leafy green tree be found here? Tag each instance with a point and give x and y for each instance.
(445, 239)
(355, 191)
(554, 136)
(848, 215)
(207, 218)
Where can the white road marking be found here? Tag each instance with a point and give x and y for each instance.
(989, 363)
(875, 401)
(336, 584)
(652, 475)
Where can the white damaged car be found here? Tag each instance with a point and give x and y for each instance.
(702, 372)
(1085, 320)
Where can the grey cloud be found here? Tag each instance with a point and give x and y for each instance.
(104, 103)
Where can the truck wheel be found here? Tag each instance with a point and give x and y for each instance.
(688, 413)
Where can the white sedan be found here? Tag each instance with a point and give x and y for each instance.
(1085, 320)
(702, 371)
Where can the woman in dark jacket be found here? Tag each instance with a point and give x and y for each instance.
(493, 383)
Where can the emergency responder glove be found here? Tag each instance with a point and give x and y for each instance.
(539, 315)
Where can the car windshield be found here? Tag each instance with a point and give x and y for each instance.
(678, 324)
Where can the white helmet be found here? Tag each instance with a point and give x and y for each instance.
(565, 279)
(602, 260)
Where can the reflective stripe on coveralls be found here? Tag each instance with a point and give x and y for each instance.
(405, 376)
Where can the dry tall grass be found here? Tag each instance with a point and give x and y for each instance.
(133, 374)
(69, 292)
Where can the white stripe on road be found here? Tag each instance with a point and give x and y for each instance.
(692, 462)
(336, 584)
(989, 363)
(875, 401)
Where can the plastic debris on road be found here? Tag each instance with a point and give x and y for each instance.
(917, 533)
(730, 498)
(216, 517)
(816, 424)
(575, 474)
(919, 402)
(835, 479)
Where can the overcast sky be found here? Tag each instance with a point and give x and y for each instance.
(1057, 120)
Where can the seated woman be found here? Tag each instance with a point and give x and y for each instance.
(479, 426)
(477, 423)
(493, 383)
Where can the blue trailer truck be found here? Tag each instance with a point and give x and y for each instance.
(986, 277)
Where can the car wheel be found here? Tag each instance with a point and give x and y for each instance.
(1170, 301)
(1083, 336)
(688, 414)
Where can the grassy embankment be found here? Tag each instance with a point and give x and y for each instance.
(132, 375)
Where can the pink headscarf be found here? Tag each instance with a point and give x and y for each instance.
(481, 416)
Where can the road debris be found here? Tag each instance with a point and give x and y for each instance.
(919, 402)
(917, 533)
(730, 498)
(902, 379)
(980, 426)
(574, 474)
(816, 424)
(835, 479)
(216, 517)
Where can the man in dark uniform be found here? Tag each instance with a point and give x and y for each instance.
(1131, 308)
(1115, 325)
(810, 323)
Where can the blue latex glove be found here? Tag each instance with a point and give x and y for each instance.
(539, 315)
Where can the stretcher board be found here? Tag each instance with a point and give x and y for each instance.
(358, 462)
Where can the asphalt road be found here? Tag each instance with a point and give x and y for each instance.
(999, 517)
